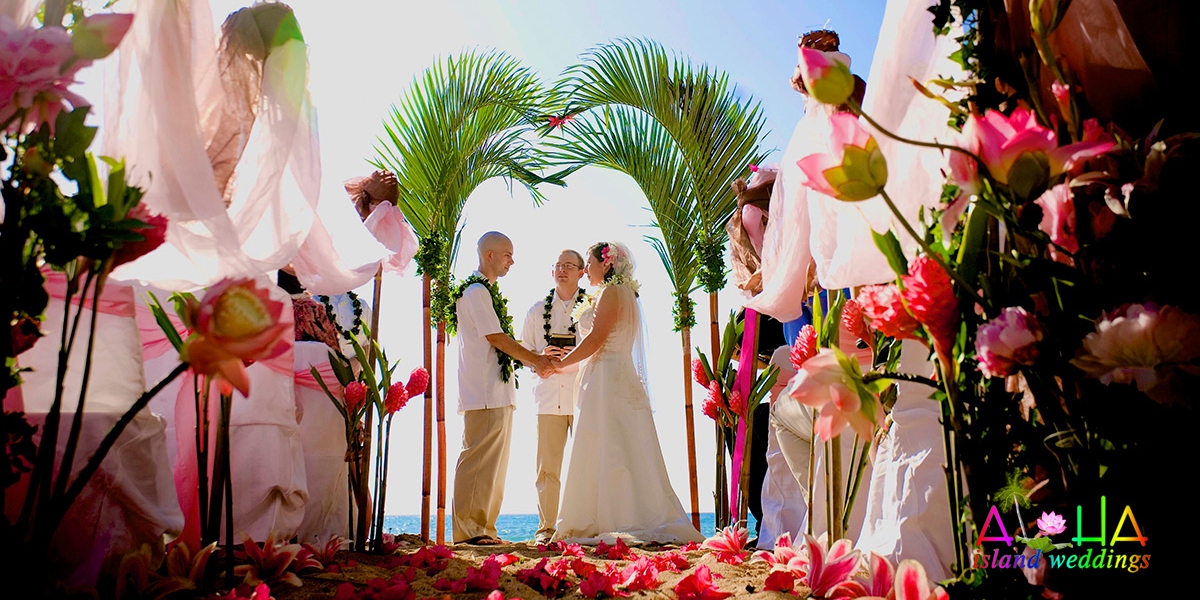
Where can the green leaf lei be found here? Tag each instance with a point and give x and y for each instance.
(500, 305)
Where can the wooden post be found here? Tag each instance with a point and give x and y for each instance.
(686, 335)
(427, 469)
(441, 432)
(721, 507)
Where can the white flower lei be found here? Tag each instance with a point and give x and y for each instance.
(586, 304)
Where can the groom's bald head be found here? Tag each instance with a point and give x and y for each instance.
(495, 254)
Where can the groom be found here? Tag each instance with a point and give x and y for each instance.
(486, 393)
(550, 330)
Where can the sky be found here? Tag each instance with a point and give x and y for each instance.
(364, 55)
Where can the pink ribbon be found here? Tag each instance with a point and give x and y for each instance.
(304, 378)
(116, 299)
(747, 369)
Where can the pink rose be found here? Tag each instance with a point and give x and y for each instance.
(236, 322)
(1146, 345)
(33, 80)
(1058, 222)
(929, 294)
(1007, 341)
(823, 383)
(884, 308)
(153, 235)
(855, 171)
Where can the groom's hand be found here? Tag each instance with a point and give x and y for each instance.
(542, 366)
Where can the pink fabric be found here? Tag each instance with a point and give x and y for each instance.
(747, 371)
(304, 378)
(154, 340)
(115, 300)
(752, 217)
(388, 225)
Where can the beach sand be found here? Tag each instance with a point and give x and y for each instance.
(743, 581)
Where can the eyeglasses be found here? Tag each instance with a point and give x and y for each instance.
(566, 266)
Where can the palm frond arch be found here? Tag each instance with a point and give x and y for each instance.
(462, 122)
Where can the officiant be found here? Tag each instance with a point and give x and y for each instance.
(551, 329)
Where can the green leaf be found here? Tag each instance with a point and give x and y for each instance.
(321, 382)
(164, 322)
(341, 368)
(1045, 544)
(890, 246)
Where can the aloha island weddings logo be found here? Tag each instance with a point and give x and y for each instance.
(1120, 551)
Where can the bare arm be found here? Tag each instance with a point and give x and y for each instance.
(607, 310)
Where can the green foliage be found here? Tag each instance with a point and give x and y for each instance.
(500, 304)
(683, 312)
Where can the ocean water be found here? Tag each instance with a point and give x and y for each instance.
(518, 528)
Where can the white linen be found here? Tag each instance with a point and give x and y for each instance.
(323, 439)
(479, 382)
(783, 501)
(617, 483)
(556, 394)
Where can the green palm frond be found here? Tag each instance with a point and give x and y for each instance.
(463, 121)
(632, 142)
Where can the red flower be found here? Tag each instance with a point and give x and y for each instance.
(929, 294)
(779, 581)
(236, 322)
(418, 382)
(698, 373)
(618, 551)
(572, 550)
(699, 586)
(153, 235)
(882, 306)
(673, 561)
(737, 404)
(556, 121)
(805, 346)
(712, 404)
(642, 574)
(730, 544)
(598, 583)
(25, 334)
(396, 398)
(856, 324)
(548, 578)
(356, 395)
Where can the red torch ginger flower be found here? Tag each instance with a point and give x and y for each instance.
(1007, 341)
(855, 322)
(236, 322)
(418, 382)
(805, 346)
(355, 395)
(153, 235)
(929, 294)
(715, 401)
(698, 372)
(855, 171)
(882, 306)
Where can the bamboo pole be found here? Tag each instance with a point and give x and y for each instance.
(441, 432)
(721, 508)
(685, 335)
(427, 469)
(835, 464)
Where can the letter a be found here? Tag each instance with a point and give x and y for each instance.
(983, 537)
(1138, 530)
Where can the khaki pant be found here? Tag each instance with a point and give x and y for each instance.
(551, 440)
(480, 473)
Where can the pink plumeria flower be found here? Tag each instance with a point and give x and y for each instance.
(855, 171)
(826, 76)
(1051, 523)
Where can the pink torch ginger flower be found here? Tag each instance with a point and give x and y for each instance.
(236, 322)
(855, 171)
(355, 395)
(729, 544)
(396, 398)
(153, 235)
(929, 294)
(698, 372)
(1019, 152)
(1058, 222)
(856, 323)
(737, 404)
(34, 75)
(884, 309)
(826, 76)
(1143, 344)
(1051, 523)
(1007, 341)
(98, 35)
(805, 346)
(824, 383)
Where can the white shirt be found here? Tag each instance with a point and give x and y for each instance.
(479, 383)
(556, 394)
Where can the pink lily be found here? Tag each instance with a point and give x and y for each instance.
(828, 569)
(823, 383)
(881, 576)
(699, 586)
(913, 584)
(729, 544)
(855, 171)
(783, 554)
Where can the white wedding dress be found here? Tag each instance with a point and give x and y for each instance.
(617, 484)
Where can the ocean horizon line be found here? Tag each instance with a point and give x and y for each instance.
(519, 526)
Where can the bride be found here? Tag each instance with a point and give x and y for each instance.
(617, 483)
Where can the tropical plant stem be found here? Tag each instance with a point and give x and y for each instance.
(870, 377)
(967, 289)
(881, 129)
(68, 459)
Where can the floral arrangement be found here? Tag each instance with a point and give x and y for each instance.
(1044, 287)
